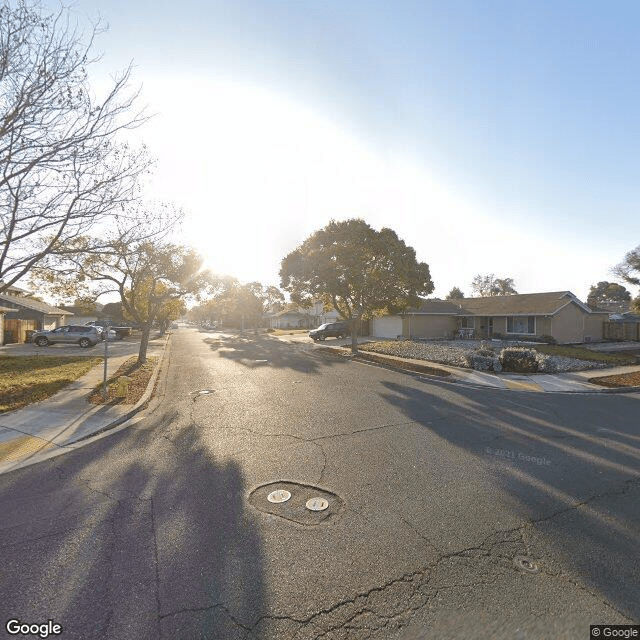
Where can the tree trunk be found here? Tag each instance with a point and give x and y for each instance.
(354, 335)
(144, 343)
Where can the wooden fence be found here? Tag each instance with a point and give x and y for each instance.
(621, 330)
(16, 330)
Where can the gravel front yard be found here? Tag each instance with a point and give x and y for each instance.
(461, 353)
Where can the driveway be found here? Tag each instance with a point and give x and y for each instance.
(128, 346)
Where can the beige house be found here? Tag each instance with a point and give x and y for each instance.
(308, 318)
(27, 314)
(289, 319)
(558, 314)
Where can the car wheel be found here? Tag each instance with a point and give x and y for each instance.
(42, 342)
(323, 337)
(84, 342)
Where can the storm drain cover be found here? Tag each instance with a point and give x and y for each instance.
(317, 504)
(279, 495)
(527, 564)
(301, 503)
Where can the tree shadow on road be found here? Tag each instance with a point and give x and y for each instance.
(259, 350)
(574, 474)
(142, 534)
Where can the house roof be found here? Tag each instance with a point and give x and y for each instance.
(286, 312)
(35, 305)
(627, 316)
(439, 306)
(13, 289)
(541, 304)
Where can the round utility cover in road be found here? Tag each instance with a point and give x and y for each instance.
(317, 504)
(296, 501)
(527, 564)
(280, 495)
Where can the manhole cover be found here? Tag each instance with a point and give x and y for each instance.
(316, 504)
(527, 564)
(280, 495)
(301, 503)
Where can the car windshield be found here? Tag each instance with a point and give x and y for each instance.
(323, 326)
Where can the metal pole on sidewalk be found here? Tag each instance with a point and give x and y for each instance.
(105, 394)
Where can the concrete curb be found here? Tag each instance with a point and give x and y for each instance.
(400, 364)
(115, 425)
(139, 406)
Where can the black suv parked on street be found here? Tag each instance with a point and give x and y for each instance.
(330, 330)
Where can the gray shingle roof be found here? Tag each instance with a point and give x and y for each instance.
(35, 305)
(439, 306)
(295, 314)
(542, 304)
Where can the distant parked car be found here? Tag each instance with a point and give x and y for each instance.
(120, 332)
(330, 330)
(71, 334)
(112, 334)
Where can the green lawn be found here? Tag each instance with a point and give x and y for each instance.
(28, 379)
(582, 353)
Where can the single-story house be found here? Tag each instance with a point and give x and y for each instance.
(27, 314)
(289, 319)
(307, 318)
(80, 314)
(559, 314)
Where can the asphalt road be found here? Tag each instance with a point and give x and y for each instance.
(453, 512)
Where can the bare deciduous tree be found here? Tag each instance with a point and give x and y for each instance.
(63, 166)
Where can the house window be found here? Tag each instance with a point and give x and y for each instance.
(467, 322)
(521, 324)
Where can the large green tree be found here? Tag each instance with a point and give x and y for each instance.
(489, 285)
(629, 271)
(607, 293)
(359, 271)
(242, 305)
(455, 294)
(150, 278)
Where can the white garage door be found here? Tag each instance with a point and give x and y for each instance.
(387, 327)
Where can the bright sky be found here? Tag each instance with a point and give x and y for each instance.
(492, 137)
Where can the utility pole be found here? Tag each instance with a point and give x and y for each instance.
(105, 393)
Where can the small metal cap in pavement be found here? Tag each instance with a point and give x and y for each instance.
(279, 495)
(524, 563)
(317, 504)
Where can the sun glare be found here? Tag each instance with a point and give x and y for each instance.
(257, 173)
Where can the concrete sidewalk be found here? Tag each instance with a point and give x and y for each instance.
(573, 382)
(56, 424)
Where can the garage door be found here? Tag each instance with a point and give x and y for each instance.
(387, 327)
